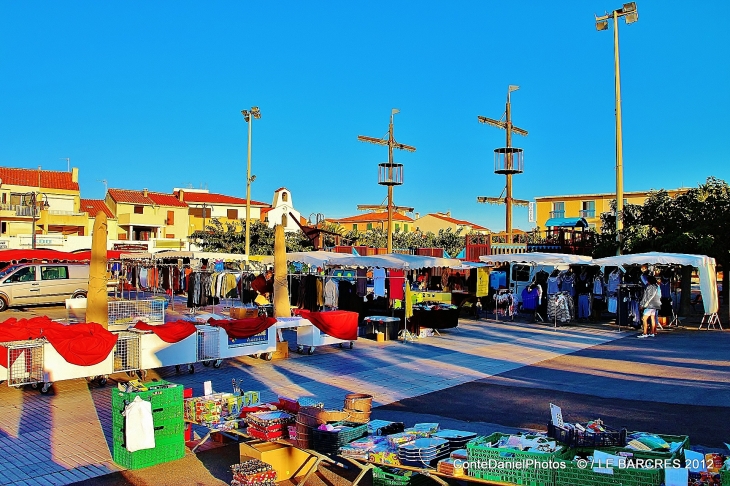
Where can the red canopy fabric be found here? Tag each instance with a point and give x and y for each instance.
(110, 255)
(170, 332)
(26, 255)
(244, 328)
(338, 323)
(80, 344)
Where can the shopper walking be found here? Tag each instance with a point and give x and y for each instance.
(650, 303)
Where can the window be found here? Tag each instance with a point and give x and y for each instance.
(397, 226)
(3, 227)
(200, 212)
(170, 217)
(232, 214)
(26, 274)
(283, 220)
(139, 210)
(5, 197)
(558, 210)
(169, 235)
(354, 226)
(54, 273)
(588, 209)
(520, 273)
(370, 226)
(284, 197)
(405, 227)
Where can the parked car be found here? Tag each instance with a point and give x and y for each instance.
(42, 283)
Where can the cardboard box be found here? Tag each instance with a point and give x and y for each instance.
(287, 460)
(282, 350)
(244, 312)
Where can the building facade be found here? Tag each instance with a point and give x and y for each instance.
(56, 213)
(434, 222)
(205, 206)
(143, 216)
(587, 206)
(375, 220)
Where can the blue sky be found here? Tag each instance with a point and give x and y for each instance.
(148, 95)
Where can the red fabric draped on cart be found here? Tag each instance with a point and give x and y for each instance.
(338, 323)
(244, 328)
(170, 332)
(80, 344)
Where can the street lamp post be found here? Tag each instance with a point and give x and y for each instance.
(248, 115)
(631, 15)
(33, 207)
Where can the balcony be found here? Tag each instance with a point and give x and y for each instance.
(588, 213)
(557, 214)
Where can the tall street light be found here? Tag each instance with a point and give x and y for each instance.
(631, 15)
(248, 116)
(34, 207)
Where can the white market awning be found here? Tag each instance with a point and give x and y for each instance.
(539, 258)
(705, 267)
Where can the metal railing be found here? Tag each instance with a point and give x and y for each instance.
(588, 213)
(557, 214)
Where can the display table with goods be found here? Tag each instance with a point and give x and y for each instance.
(169, 344)
(39, 351)
(331, 327)
(433, 316)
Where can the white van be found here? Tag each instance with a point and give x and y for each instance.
(42, 283)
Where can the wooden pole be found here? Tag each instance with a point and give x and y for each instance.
(97, 305)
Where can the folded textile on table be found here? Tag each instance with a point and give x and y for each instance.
(170, 332)
(244, 328)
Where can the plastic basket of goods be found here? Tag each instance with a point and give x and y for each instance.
(388, 476)
(640, 463)
(592, 434)
(328, 438)
(496, 456)
(359, 401)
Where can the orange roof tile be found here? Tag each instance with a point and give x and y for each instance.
(367, 217)
(460, 222)
(29, 177)
(94, 206)
(207, 197)
(281, 189)
(153, 198)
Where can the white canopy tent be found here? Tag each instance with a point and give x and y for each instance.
(538, 259)
(397, 261)
(704, 264)
(317, 258)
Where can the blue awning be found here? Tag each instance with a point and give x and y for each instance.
(567, 223)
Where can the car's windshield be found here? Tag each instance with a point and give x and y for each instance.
(7, 270)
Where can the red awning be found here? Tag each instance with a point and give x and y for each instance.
(28, 255)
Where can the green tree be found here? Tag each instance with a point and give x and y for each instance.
(231, 238)
(696, 222)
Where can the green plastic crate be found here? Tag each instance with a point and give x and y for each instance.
(494, 459)
(397, 477)
(160, 417)
(725, 476)
(166, 450)
(162, 397)
(570, 474)
(162, 431)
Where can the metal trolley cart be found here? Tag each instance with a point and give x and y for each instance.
(127, 352)
(156, 353)
(25, 363)
(207, 349)
(262, 345)
(123, 313)
(56, 368)
(310, 335)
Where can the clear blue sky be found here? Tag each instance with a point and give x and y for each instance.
(148, 94)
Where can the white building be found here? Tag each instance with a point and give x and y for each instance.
(282, 211)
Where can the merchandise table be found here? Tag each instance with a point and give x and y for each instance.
(440, 478)
(379, 321)
(237, 433)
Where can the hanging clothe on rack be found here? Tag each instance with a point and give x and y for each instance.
(560, 307)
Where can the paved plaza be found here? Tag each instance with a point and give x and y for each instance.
(65, 437)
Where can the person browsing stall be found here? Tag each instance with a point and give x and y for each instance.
(651, 303)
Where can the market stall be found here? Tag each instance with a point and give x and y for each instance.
(326, 328)
(170, 344)
(245, 337)
(39, 351)
(705, 267)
